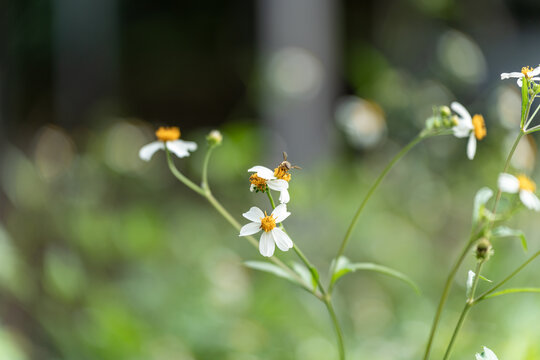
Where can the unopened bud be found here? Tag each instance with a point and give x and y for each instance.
(483, 249)
(214, 138)
(445, 111)
(455, 120)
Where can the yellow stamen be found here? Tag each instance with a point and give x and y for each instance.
(168, 133)
(282, 173)
(525, 71)
(525, 183)
(479, 126)
(258, 182)
(268, 222)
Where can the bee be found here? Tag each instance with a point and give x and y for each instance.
(285, 165)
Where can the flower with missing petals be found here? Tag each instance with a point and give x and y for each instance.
(169, 137)
(526, 72)
(474, 128)
(264, 179)
(271, 235)
(522, 184)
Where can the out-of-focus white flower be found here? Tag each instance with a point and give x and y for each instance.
(522, 184)
(263, 177)
(487, 354)
(170, 137)
(527, 72)
(271, 235)
(474, 128)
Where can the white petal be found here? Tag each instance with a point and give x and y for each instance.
(508, 183)
(519, 82)
(511, 75)
(530, 200)
(471, 146)
(535, 79)
(487, 355)
(461, 111)
(280, 213)
(284, 196)
(147, 151)
(534, 72)
(250, 229)
(283, 241)
(263, 172)
(278, 184)
(266, 244)
(252, 188)
(254, 214)
(461, 130)
(180, 147)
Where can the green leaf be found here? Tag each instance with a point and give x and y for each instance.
(505, 231)
(524, 100)
(513, 291)
(480, 199)
(270, 268)
(344, 266)
(305, 274)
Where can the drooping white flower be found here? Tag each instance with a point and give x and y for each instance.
(487, 354)
(170, 137)
(527, 72)
(271, 235)
(264, 177)
(474, 128)
(522, 184)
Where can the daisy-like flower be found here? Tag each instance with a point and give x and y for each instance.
(271, 235)
(526, 72)
(474, 128)
(264, 178)
(170, 137)
(487, 354)
(522, 184)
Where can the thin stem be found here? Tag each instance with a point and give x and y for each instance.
(505, 280)
(337, 328)
(446, 292)
(370, 192)
(204, 182)
(531, 118)
(190, 184)
(465, 311)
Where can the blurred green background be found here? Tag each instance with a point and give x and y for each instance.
(104, 256)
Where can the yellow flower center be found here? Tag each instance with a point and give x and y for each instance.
(168, 133)
(525, 183)
(525, 71)
(282, 173)
(479, 126)
(268, 222)
(258, 182)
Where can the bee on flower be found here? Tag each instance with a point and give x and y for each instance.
(168, 137)
(523, 185)
(472, 127)
(271, 235)
(278, 180)
(526, 72)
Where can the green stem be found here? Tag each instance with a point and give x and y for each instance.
(446, 292)
(465, 311)
(204, 182)
(370, 192)
(339, 334)
(505, 280)
(190, 184)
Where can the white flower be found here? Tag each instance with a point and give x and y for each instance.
(522, 184)
(167, 136)
(271, 235)
(531, 74)
(487, 354)
(474, 128)
(265, 177)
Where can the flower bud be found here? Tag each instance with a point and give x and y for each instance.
(214, 138)
(483, 249)
(445, 111)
